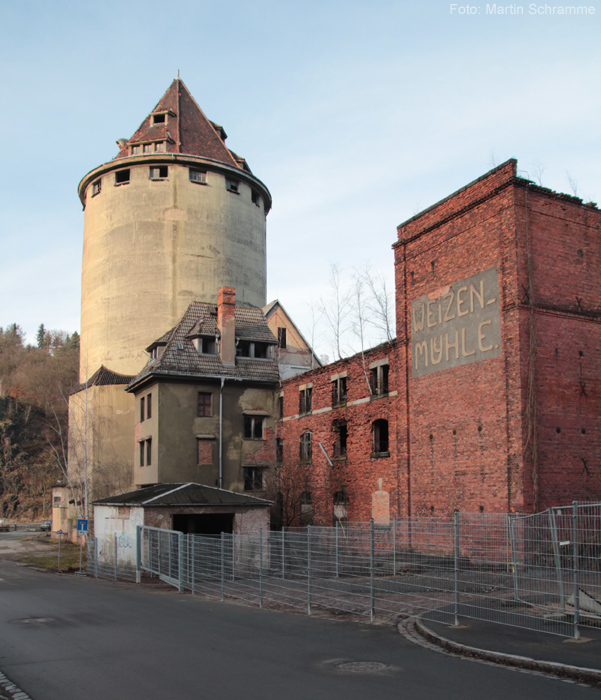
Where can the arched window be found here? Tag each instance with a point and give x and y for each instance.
(306, 447)
(380, 436)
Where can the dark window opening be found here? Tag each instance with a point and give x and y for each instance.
(306, 447)
(339, 391)
(145, 448)
(232, 185)
(204, 404)
(306, 503)
(280, 407)
(159, 146)
(208, 524)
(206, 345)
(281, 338)
(380, 436)
(305, 400)
(149, 406)
(122, 177)
(159, 118)
(253, 427)
(96, 187)
(142, 411)
(148, 452)
(199, 176)
(340, 429)
(279, 450)
(159, 172)
(256, 199)
(253, 478)
(247, 348)
(379, 380)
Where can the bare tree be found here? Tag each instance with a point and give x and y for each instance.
(538, 168)
(573, 183)
(336, 311)
(379, 302)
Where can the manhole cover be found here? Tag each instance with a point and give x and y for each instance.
(362, 666)
(33, 620)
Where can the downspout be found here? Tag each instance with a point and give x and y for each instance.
(221, 433)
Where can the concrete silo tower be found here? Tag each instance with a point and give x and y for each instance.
(172, 218)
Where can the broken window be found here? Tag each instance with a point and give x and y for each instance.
(378, 380)
(340, 437)
(196, 175)
(281, 338)
(159, 119)
(306, 447)
(122, 177)
(204, 404)
(248, 348)
(232, 185)
(305, 400)
(253, 427)
(280, 407)
(253, 478)
(338, 391)
(279, 450)
(380, 436)
(96, 188)
(206, 345)
(148, 452)
(158, 172)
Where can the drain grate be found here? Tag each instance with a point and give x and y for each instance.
(362, 666)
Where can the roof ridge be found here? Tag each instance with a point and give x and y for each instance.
(162, 495)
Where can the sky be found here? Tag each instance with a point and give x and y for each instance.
(355, 114)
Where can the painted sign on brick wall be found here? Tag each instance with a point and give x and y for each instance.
(456, 325)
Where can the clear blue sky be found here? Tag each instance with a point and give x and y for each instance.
(355, 114)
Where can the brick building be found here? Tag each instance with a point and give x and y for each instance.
(490, 397)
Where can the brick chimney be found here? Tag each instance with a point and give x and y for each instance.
(226, 323)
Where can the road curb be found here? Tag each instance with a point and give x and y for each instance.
(578, 674)
(10, 691)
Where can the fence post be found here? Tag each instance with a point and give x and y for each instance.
(456, 557)
(372, 597)
(556, 556)
(337, 572)
(283, 555)
(138, 554)
(95, 557)
(514, 563)
(308, 569)
(116, 546)
(193, 566)
(261, 568)
(575, 539)
(222, 566)
(180, 562)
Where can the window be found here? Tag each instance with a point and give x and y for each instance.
(56, 501)
(204, 404)
(248, 348)
(380, 437)
(253, 427)
(340, 430)
(378, 380)
(306, 447)
(206, 345)
(279, 450)
(232, 185)
(149, 406)
(280, 407)
(122, 177)
(306, 504)
(145, 448)
(199, 176)
(305, 400)
(159, 172)
(142, 411)
(147, 148)
(340, 506)
(135, 150)
(256, 199)
(159, 119)
(96, 186)
(338, 391)
(281, 338)
(253, 478)
(159, 146)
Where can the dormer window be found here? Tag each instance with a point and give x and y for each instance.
(159, 146)
(206, 345)
(249, 348)
(135, 150)
(159, 119)
(156, 352)
(147, 148)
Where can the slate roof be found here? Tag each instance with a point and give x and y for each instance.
(181, 359)
(186, 130)
(104, 377)
(189, 494)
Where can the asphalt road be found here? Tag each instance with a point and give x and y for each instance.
(66, 638)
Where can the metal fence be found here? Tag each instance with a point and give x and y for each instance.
(540, 572)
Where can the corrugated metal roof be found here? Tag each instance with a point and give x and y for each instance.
(187, 494)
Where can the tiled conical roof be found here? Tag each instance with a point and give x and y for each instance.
(183, 127)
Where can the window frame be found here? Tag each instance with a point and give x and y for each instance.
(232, 185)
(97, 187)
(378, 441)
(339, 390)
(207, 397)
(306, 447)
(255, 476)
(123, 181)
(154, 177)
(202, 180)
(252, 425)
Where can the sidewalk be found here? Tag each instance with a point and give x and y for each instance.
(579, 660)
